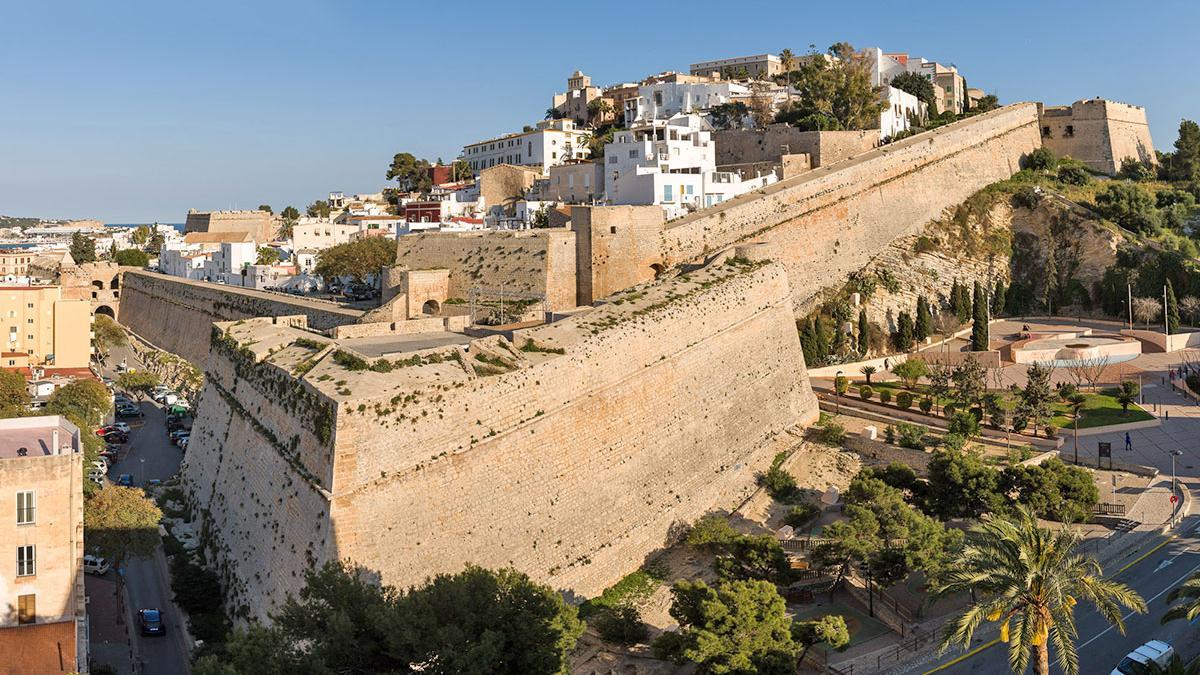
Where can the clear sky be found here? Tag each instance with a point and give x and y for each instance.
(137, 110)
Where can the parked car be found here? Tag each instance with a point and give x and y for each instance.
(129, 411)
(151, 621)
(183, 443)
(116, 437)
(95, 565)
(174, 435)
(108, 454)
(125, 480)
(182, 440)
(100, 464)
(1154, 651)
(115, 426)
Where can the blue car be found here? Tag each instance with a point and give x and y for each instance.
(125, 479)
(151, 621)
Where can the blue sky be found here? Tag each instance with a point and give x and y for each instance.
(134, 111)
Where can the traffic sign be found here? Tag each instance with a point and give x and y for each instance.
(1174, 498)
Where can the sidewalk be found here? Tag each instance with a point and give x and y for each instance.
(110, 641)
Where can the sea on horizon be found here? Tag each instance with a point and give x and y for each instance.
(178, 226)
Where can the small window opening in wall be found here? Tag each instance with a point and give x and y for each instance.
(1045, 132)
(1070, 131)
(612, 230)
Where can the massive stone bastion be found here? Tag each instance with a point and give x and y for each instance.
(571, 452)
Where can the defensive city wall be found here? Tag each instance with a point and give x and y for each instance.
(571, 453)
(177, 314)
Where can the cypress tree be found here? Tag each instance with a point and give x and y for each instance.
(864, 333)
(998, 298)
(979, 323)
(821, 346)
(903, 337)
(808, 342)
(961, 300)
(924, 322)
(1172, 310)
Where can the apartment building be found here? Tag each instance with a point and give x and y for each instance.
(316, 234)
(670, 163)
(575, 101)
(757, 67)
(14, 264)
(43, 622)
(550, 142)
(574, 183)
(662, 100)
(40, 328)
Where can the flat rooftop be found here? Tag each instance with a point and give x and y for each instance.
(36, 435)
(391, 345)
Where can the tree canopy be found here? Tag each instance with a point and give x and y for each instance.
(917, 85)
(106, 334)
(83, 248)
(410, 173)
(138, 382)
(84, 402)
(476, 622)
(358, 259)
(14, 395)
(267, 255)
(833, 94)
(131, 257)
(318, 209)
(121, 523)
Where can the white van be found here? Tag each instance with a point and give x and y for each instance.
(1154, 651)
(95, 565)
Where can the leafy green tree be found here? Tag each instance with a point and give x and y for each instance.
(267, 208)
(987, 103)
(267, 255)
(960, 301)
(1129, 205)
(461, 170)
(1074, 175)
(918, 85)
(910, 371)
(84, 400)
(961, 485)
(120, 523)
(140, 236)
(1034, 404)
(830, 630)
(979, 321)
(867, 372)
(14, 395)
(1172, 309)
(923, 324)
(157, 240)
(1052, 489)
(139, 382)
(1041, 159)
(1185, 161)
(289, 216)
(83, 248)
(106, 334)
(411, 174)
(358, 259)
(1029, 579)
(902, 339)
(318, 209)
(736, 627)
(964, 424)
(1136, 170)
(832, 95)
(131, 257)
(754, 557)
(970, 382)
(712, 533)
(864, 333)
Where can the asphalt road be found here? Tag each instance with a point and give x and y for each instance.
(150, 455)
(1101, 647)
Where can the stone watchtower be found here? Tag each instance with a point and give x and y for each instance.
(1099, 133)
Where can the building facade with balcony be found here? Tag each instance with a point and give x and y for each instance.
(551, 142)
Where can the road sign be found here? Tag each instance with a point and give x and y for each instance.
(1106, 450)
(1174, 498)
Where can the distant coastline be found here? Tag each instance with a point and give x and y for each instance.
(178, 226)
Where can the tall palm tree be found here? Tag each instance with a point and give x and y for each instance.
(1189, 592)
(1028, 578)
(788, 60)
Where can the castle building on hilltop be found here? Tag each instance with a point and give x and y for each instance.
(1099, 133)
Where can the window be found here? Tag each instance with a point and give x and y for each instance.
(25, 510)
(1070, 131)
(26, 608)
(29, 306)
(26, 565)
(612, 159)
(667, 193)
(1045, 132)
(29, 321)
(632, 154)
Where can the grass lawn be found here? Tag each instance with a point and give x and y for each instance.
(1101, 408)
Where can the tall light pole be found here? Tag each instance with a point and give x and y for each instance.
(837, 397)
(1174, 486)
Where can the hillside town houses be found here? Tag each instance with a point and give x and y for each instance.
(657, 141)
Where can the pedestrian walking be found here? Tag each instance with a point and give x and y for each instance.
(1128, 442)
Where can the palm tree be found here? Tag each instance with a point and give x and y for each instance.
(868, 371)
(788, 60)
(1029, 579)
(1189, 592)
(1076, 401)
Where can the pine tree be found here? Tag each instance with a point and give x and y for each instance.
(979, 322)
(808, 342)
(923, 327)
(864, 333)
(903, 337)
(1172, 310)
(999, 298)
(821, 346)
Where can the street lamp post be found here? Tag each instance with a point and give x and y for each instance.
(1174, 485)
(142, 462)
(837, 397)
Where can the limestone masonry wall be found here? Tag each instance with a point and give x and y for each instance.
(537, 261)
(1098, 133)
(177, 315)
(572, 467)
(831, 221)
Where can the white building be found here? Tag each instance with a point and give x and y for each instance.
(316, 234)
(184, 261)
(670, 163)
(550, 143)
(663, 100)
(949, 87)
(227, 262)
(902, 108)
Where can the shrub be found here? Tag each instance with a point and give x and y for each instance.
(801, 514)
(712, 531)
(621, 624)
(833, 434)
(1193, 382)
(948, 410)
(889, 434)
(1028, 197)
(904, 400)
(1050, 430)
(1074, 175)
(1041, 159)
(349, 361)
(924, 244)
(885, 396)
(911, 436)
(865, 392)
(926, 405)
(964, 424)
(1130, 206)
(780, 485)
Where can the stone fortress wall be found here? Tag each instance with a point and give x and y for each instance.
(742, 146)
(526, 261)
(572, 467)
(1098, 133)
(176, 314)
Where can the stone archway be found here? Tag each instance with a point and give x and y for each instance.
(431, 307)
(106, 311)
(98, 284)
